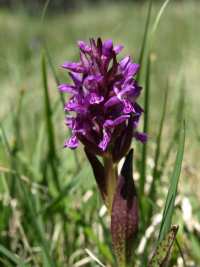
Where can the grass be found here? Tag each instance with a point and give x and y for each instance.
(50, 211)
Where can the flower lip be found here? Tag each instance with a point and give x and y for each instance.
(72, 142)
(105, 141)
(95, 98)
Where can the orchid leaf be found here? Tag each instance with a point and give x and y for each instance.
(163, 250)
(124, 218)
(99, 173)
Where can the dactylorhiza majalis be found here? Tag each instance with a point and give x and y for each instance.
(104, 118)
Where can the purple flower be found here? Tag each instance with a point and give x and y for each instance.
(102, 99)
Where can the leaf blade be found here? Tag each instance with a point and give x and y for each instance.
(170, 201)
(11, 256)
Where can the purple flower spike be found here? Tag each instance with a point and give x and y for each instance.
(103, 99)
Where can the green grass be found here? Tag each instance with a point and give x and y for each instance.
(48, 197)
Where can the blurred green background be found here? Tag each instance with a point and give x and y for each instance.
(176, 51)
(68, 225)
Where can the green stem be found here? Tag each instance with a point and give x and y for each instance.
(111, 179)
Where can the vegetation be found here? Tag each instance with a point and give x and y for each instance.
(51, 213)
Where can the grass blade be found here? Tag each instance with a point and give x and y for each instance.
(62, 195)
(48, 112)
(11, 256)
(5, 262)
(39, 147)
(158, 17)
(37, 226)
(44, 10)
(181, 252)
(34, 219)
(147, 84)
(152, 192)
(145, 36)
(177, 124)
(159, 137)
(147, 43)
(52, 157)
(145, 126)
(68, 189)
(51, 64)
(94, 258)
(169, 205)
(5, 140)
(62, 99)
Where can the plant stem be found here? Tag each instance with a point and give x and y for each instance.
(111, 179)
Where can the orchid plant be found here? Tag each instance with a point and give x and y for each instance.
(105, 118)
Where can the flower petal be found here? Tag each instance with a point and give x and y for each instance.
(132, 69)
(118, 48)
(124, 62)
(91, 81)
(73, 66)
(111, 102)
(128, 107)
(72, 142)
(84, 47)
(142, 137)
(67, 88)
(74, 105)
(95, 51)
(105, 141)
(107, 48)
(95, 98)
(119, 120)
(77, 78)
(70, 122)
(123, 142)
